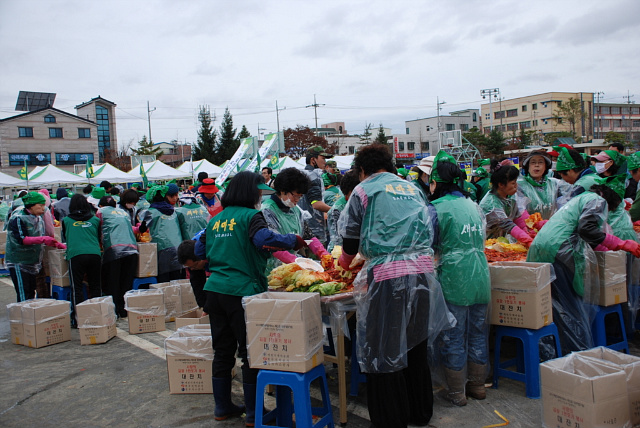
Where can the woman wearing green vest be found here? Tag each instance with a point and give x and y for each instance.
(567, 241)
(81, 231)
(25, 236)
(536, 190)
(349, 181)
(120, 258)
(399, 300)
(464, 275)
(237, 244)
(164, 226)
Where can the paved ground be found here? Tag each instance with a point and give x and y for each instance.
(124, 384)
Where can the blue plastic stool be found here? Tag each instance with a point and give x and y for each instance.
(528, 356)
(598, 329)
(298, 385)
(61, 293)
(356, 377)
(4, 271)
(137, 282)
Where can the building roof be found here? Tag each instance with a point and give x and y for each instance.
(565, 140)
(96, 99)
(48, 108)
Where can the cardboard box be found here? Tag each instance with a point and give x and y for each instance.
(145, 310)
(178, 298)
(612, 270)
(46, 322)
(194, 317)
(15, 323)
(96, 320)
(58, 268)
(147, 260)
(521, 294)
(583, 392)
(189, 355)
(57, 233)
(631, 366)
(284, 331)
(3, 241)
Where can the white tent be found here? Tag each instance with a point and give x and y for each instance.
(112, 174)
(343, 162)
(157, 171)
(9, 181)
(285, 162)
(200, 166)
(50, 174)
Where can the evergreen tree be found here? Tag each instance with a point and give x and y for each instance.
(205, 147)
(381, 137)
(495, 143)
(244, 133)
(228, 143)
(145, 147)
(365, 138)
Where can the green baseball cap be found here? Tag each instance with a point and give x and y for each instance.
(316, 151)
(332, 164)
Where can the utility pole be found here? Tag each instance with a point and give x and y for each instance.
(439, 108)
(149, 119)
(315, 106)
(489, 92)
(598, 95)
(628, 97)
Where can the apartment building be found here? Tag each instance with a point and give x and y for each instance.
(621, 118)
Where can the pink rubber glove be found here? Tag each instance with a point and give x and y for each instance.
(284, 256)
(636, 223)
(61, 246)
(35, 240)
(521, 236)
(612, 242)
(627, 205)
(538, 224)
(520, 221)
(630, 246)
(600, 247)
(317, 248)
(345, 260)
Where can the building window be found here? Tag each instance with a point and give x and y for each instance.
(525, 125)
(464, 127)
(535, 122)
(626, 123)
(18, 159)
(451, 126)
(49, 119)
(559, 120)
(55, 132)
(104, 135)
(401, 145)
(499, 115)
(605, 110)
(534, 106)
(635, 110)
(487, 129)
(512, 126)
(424, 146)
(512, 112)
(636, 123)
(615, 110)
(411, 145)
(84, 133)
(524, 108)
(407, 130)
(25, 131)
(475, 117)
(73, 158)
(625, 110)
(352, 150)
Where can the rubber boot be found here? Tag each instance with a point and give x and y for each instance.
(250, 403)
(456, 381)
(222, 396)
(475, 385)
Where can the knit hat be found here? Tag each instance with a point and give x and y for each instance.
(33, 198)
(565, 161)
(441, 157)
(173, 189)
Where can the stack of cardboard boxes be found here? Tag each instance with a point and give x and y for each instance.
(40, 322)
(178, 298)
(96, 320)
(145, 311)
(284, 331)
(189, 354)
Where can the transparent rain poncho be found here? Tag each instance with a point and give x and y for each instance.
(540, 197)
(165, 231)
(500, 214)
(26, 258)
(283, 223)
(398, 298)
(118, 240)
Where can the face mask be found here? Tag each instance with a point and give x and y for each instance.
(130, 206)
(288, 203)
(600, 167)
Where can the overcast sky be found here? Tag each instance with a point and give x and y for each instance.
(366, 61)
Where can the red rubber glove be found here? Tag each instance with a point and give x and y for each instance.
(521, 236)
(299, 243)
(612, 242)
(345, 260)
(636, 223)
(317, 248)
(61, 246)
(538, 224)
(630, 246)
(39, 240)
(284, 256)
(520, 221)
(627, 205)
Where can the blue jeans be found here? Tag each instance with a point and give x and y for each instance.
(468, 340)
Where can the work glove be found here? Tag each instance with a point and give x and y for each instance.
(630, 246)
(345, 260)
(522, 236)
(39, 240)
(142, 227)
(299, 243)
(538, 224)
(317, 248)
(284, 256)
(61, 246)
(520, 221)
(612, 242)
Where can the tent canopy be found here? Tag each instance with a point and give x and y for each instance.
(157, 171)
(200, 166)
(112, 174)
(8, 181)
(50, 174)
(285, 162)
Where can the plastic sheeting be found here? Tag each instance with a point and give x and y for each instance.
(539, 197)
(96, 312)
(26, 258)
(38, 311)
(145, 302)
(190, 342)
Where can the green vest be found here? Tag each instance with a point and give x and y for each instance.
(236, 265)
(542, 196)
(81, 236)
(28, 225)
(560, 239)
(462, 268)
(164, 230)
(118, 239)
(193, 218)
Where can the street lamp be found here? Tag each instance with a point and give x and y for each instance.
(488, 93)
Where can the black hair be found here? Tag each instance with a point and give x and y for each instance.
(372, 158)
(609, 195)
(503, 175)
(187, 251)
(114, 191)
(80, 204)
(578, 160)
(129, 196)
(106, 185)
(269, 170)
(399, 165)
(202, 175)
(87, 189)
(290, 180)
(350, 180)
(613, 169)
(452, 174)
(107, 201)
(242, 190)
(157, 197)
(310, 156)
(618, 146)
